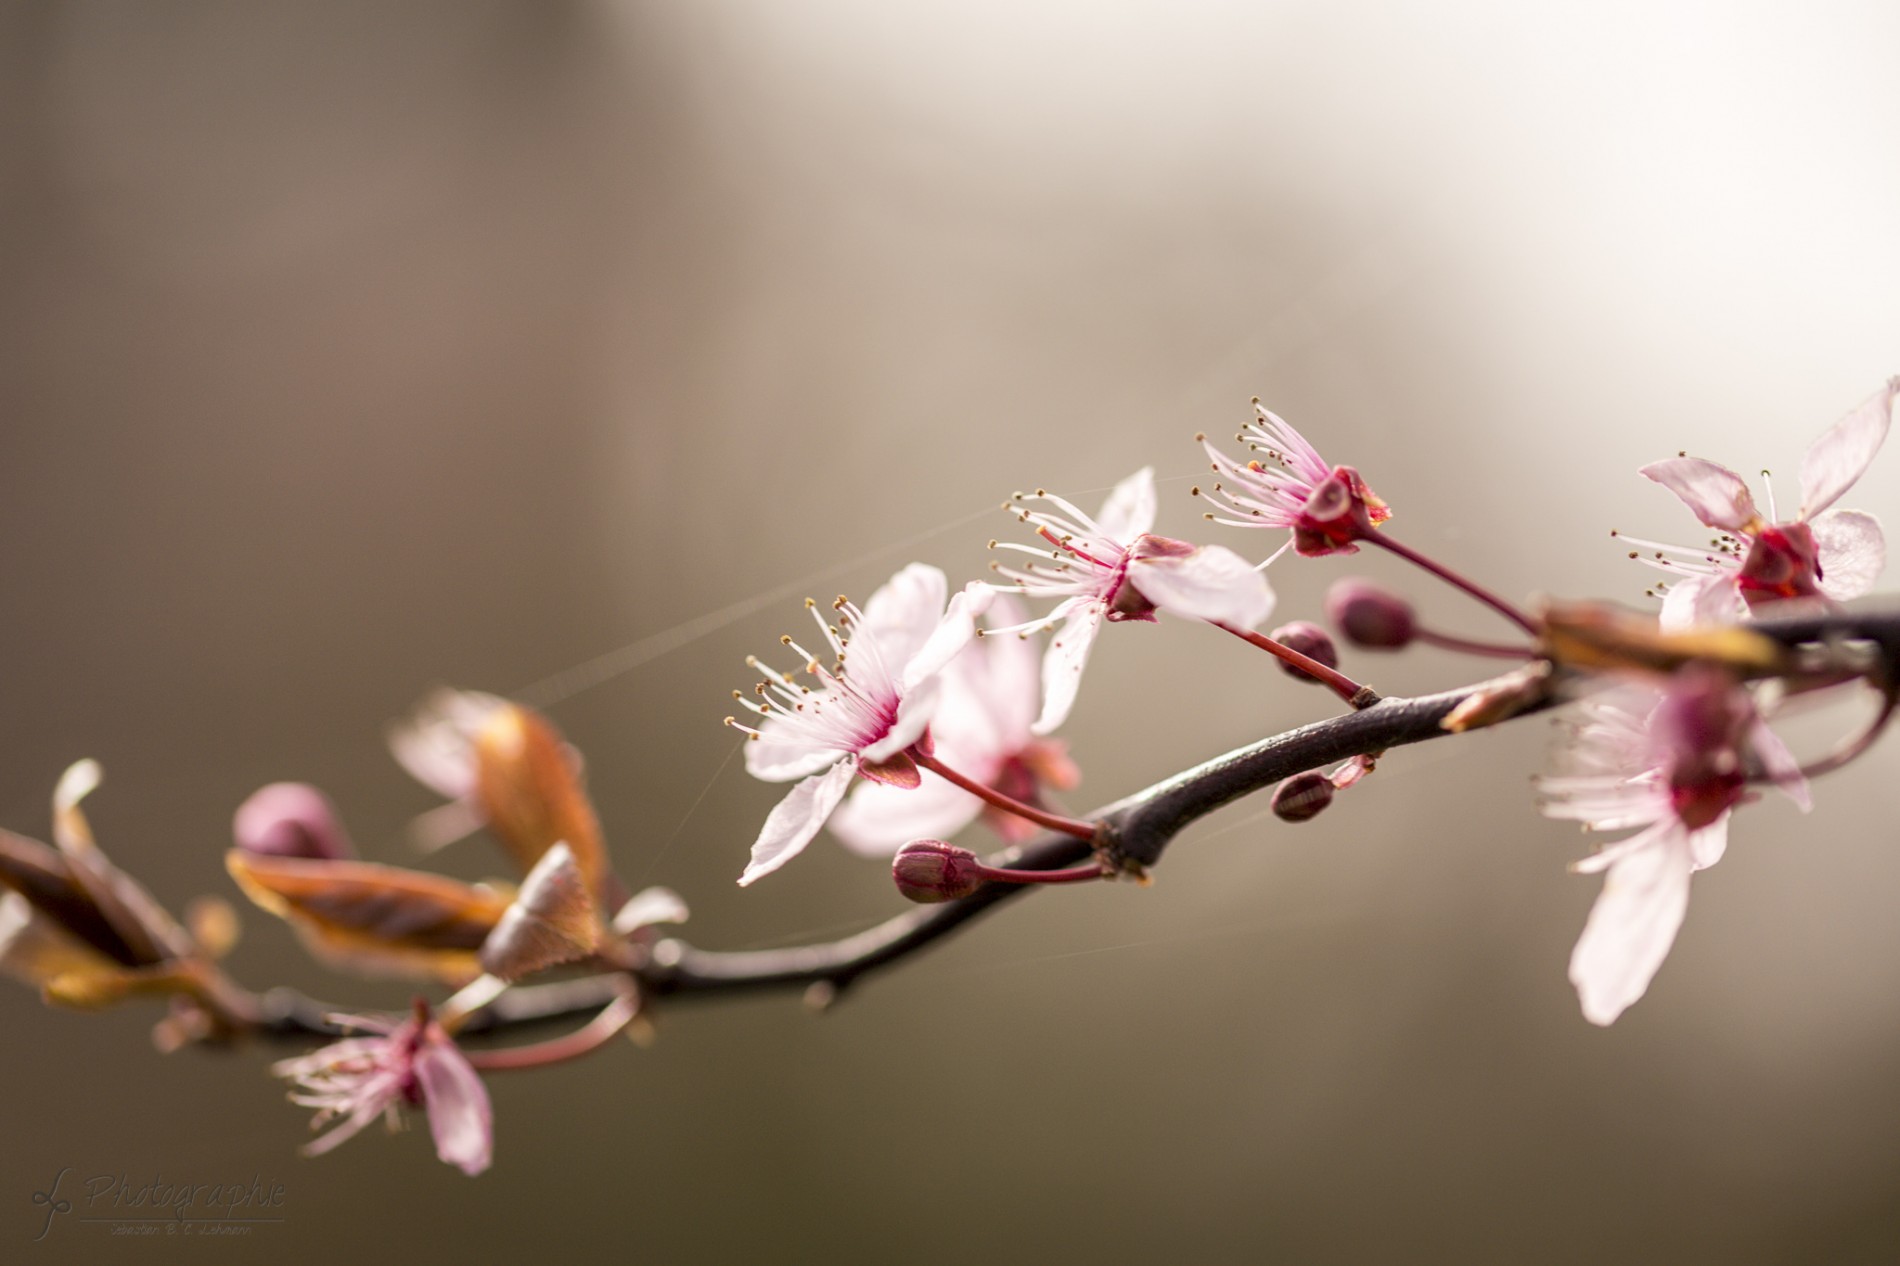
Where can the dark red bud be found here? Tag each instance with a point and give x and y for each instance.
(290, 819)
(1310, 640)
(930, 871)
(1370, 616)
(1302, 796)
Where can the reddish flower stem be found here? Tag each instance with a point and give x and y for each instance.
(1009, 804)
(1853, 748)
(1345, 687)
(1073, 875)
(591, 1036)
(1465, 646)
(1452, 578)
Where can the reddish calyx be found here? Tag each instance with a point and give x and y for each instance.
(1340, 511)
(1782, 562)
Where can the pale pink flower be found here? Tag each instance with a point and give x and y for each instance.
(436, 745)
(1287, 484)
(981, 729)
(1670, 766)
(1821, 552)
(866, 707)
(1109, 568)
(414, 1062)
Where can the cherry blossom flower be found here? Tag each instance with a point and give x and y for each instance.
(981, 728)
(1289, 485)
(436, 745)
(1109, 568)
(869, 705)
(415, 1063)
(1672, 767)
(1821, 552)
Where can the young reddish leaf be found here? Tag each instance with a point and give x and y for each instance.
(41, 877)
(375, 919)
(553, 921)
(531, 793)
(145, 926)
(1593, 636)
(35, 948)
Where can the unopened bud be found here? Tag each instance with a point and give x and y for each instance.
(1302, 796)
(929, 871)
(1310, 640)
(1369, 615)
(291, 819)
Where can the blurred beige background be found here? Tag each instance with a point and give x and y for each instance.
(352, 348)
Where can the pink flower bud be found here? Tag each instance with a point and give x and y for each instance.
(290, 819)
(1302, 796)
(1310, 640)
(930, 871)
(1370, 616)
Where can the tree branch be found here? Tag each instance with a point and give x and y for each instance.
(1136, 830)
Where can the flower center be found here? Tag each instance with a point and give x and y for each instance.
(1782, 562)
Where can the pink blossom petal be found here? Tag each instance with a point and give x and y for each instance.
(956, 630)
(1709, 844)
(914, 711)
(1843, 454)
(878, 820)
(433, 743)
(1851, 550)
(1063, 662)
(1714, 493)
(460, 1117)
(1211, 583)
(1698, 600)
(1632, 925)
(1610, 854)
(991, 693)
(1130, 508)
(797, 819)
(903, 613)
(775, 756)
(1779, 764)
(648, 907)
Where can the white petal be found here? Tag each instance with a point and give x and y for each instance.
(1842, 455)
(1707, 845)
(1212, 583)
(434, 742)
(914, 711)
(647, 907)
(1062, 665)
(770, 758)
(1632, 926)
(1779, 764)
(1714, 493)
(1610, 854)
(903, 613)
(1694, 600)
(1011, 683)
(797, 819)
(878, 819)
(1130, 508)
(956, 630)
(992, 691)
(443, 825)
(1851, 550)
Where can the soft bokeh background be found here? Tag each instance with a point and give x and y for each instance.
(353, 348)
